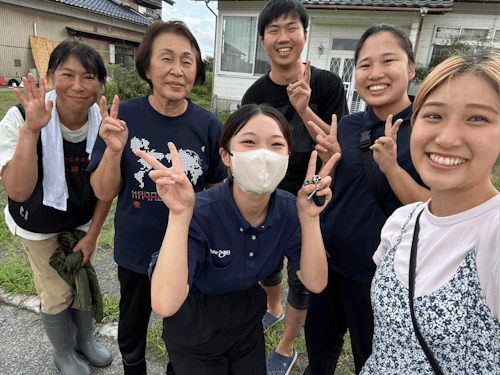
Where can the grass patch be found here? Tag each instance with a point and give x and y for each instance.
(107, 237)
(7, 100)
(16, 276)
(274, 334)
(7, 240)
(223, 117)
(111, 308)
(154, 340)
(201, 95)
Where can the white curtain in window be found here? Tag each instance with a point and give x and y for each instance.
(238, 44)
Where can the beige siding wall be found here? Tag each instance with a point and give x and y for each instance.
(17, 23)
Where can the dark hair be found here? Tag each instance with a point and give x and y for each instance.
(88, 57)
(396, 32)
(143, 57)
(275, 9)
(239, 119)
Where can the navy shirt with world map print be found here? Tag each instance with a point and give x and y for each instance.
(141, 216)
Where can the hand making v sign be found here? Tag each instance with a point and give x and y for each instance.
(327, 145)
(385, 149)
(172, 184)
(299, 92)
(305, 205)
(113, 131)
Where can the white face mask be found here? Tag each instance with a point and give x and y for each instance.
(259, 171)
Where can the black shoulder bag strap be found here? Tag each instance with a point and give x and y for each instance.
(411, 287)
(364, 144)
(21, 109)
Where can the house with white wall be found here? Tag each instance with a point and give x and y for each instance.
(335, 27)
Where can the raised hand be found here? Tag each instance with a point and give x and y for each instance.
(38, 113)
(308, 207)
(385, 149)
(113, 130)
(299, 93)
(172, 184)
(327, 145)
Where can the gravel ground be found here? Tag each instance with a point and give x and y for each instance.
(26, 350)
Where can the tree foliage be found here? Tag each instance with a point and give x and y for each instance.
(456, 45)
(209, 63)
(127, 84)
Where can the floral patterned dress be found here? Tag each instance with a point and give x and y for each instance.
(454, 320)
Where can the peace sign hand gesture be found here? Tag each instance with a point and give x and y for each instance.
(38, 113)
(172, 184)
(385, 149)
(307, 208)
(327, 145)
(299, 93)
(113, 131)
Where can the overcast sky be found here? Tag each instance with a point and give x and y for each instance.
(200, 20)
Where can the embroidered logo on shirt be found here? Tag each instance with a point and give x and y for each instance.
(190, 160)
(221, 253)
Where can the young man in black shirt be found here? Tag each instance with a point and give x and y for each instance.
(301, 93)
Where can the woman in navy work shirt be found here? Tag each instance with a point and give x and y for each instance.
(351, 225)
(206, 277)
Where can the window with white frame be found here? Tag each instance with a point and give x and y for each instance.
(446, 32)
(474, 34)
(468, 34)
(440, 51)
(344, 44)
(241, 50)
(496, 36)
(444, 35)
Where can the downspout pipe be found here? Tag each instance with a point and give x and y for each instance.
(215, 48)
(423, 12)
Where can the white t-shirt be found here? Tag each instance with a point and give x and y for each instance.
(443, 245)
(10, 127)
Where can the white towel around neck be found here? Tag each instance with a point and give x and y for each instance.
(55, 188)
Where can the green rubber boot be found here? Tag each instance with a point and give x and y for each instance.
(96, 354)
(59, 329)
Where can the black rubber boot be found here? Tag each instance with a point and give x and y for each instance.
(59, 329)
(96, 354)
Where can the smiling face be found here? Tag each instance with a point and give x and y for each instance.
(172, 68)
(77, 90)
(383, 74)
(260, 131)
(455, 139)
(284, 39)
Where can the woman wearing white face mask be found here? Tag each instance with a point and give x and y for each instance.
(205, 278)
